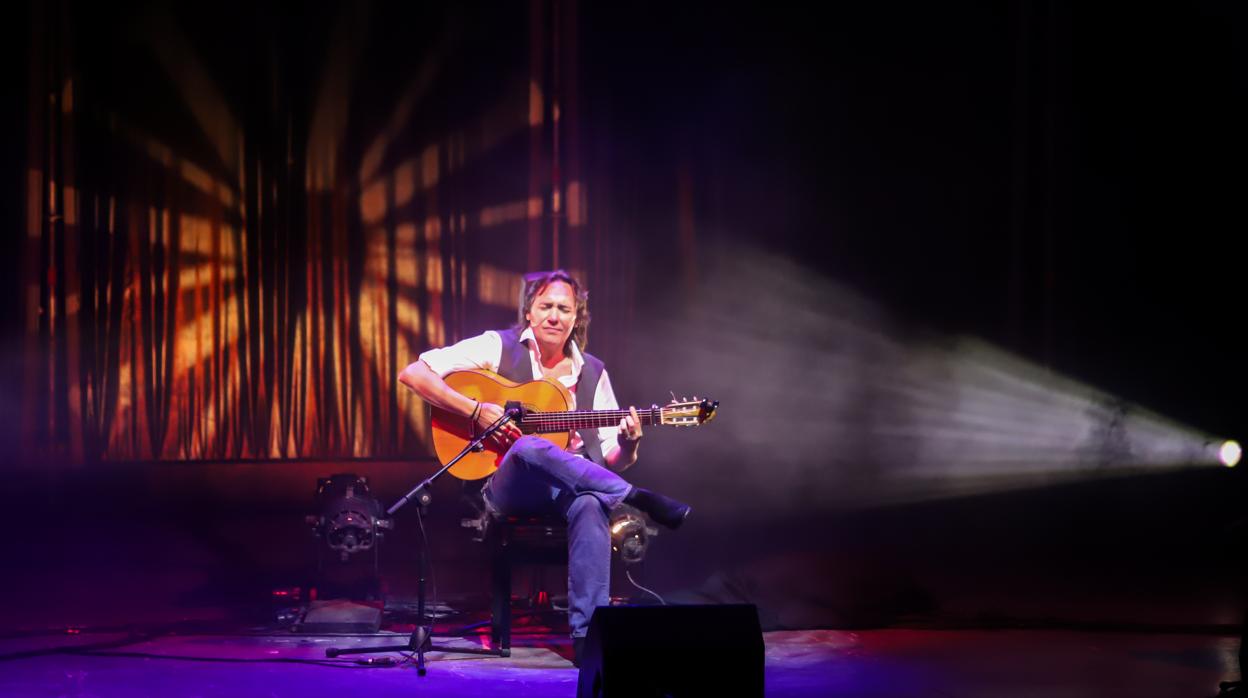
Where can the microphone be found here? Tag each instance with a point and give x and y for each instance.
(514, 410)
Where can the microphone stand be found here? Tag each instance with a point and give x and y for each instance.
(421, 638)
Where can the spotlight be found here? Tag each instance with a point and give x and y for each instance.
(1229, 453)
(345, 596)
(351, 519)
(630, 535)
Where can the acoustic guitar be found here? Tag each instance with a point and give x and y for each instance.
(545, 413)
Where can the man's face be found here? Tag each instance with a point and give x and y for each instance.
(553, 314)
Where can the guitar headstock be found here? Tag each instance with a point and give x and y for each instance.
(688, 413)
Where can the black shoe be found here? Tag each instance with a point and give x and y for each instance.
(664, 510)
(578, 646)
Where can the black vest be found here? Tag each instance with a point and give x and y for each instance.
(515, 365)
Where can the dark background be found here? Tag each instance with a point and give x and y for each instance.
(1062, 181)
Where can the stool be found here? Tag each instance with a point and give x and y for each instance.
(516, 540)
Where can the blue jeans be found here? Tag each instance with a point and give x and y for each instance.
(538, 478)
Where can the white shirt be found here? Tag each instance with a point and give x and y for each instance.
(485, 351)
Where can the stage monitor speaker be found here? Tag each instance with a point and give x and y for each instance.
(677, 651)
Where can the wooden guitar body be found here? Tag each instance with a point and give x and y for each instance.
(451, 431)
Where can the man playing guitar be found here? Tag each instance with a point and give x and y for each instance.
(534, 475)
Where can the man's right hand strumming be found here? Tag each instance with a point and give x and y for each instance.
(506, 434)
(430, 387)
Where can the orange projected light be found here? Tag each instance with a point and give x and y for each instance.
(216, 294)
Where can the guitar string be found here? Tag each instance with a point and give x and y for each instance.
(578, 424)
(592, 420)
(555, 418)
(614, 417)
(575, 417)
(596, 418)
(548, 416)
(648, 412)
(562, 421)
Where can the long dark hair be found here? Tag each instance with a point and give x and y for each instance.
(537, 282)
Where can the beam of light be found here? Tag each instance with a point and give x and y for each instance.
(205, 101)
(409, 177)
(578, 204)
(375, 154)
(373, 204)
(201, 275)
(1229, 453)
(331, 110)
(412, 270)
(207, 322)
(193, 346)
(497, 287)
(509, 212)
(536, 104)
(204, 238)
(390, 184)
(453, 151)
(826, 399)
(417, 267)
(162, 154)
(501, 287)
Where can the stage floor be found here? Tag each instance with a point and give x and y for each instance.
(895, 662)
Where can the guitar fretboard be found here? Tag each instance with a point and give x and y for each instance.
(550, 422)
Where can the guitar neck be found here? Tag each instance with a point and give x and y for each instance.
(551, 422)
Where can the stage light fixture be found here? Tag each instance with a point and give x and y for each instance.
(351, 519)
(1230, 453)
(630, 536)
